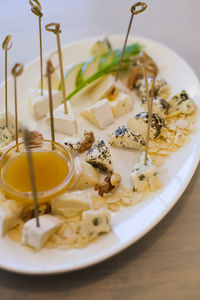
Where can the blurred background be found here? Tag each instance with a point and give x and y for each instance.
(173, 22)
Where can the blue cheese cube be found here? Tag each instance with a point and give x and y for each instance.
(100, 114)
(95, 222)
(71, 204)
(125, 137)
(40, 103)
(161, 88)
(37, 237)
(100, 46)
(139, 123)
(181, 103)
(10, 212)
(160, 106)
(121, 105)
(145, 176)
(99, 157)
(64, 123)
(85, 175)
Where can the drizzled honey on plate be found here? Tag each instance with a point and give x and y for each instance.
(53, 172)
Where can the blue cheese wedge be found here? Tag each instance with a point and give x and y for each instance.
(139, 123)
(100, 46)
(10, 212)
(122, 105)
(100, 114)
(99, 157)
(125, 137)
(37, 237)
(145, 176)
(181, 103)
(39, 104)
(64, 123)
(85, 175)
(161, 88)
(95, 222)
(71, 204)
(160, 106)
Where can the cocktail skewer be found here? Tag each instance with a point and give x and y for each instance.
(7, 44)
(55, 28)
(49, 71)
(27, 143)
(136, 9)
(16, 71)
(36, 9)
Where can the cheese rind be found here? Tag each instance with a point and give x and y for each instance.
(40, 103)
(121, 105)
(138, 124)
(10, 212)
(124, 137)
(85, 174)
(99, 157)
(100, 114)
(64, 123)
(71, 204)
(37, 237)
(95, 222)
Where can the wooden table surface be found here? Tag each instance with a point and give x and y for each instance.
(165, 264)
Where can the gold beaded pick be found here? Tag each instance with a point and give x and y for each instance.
(16, 71)
(55, 28)
(49, 71)
(7, 44)
(36, 9)
(136, 9)
(27, 143)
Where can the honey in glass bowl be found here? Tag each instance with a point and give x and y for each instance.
(53, 171)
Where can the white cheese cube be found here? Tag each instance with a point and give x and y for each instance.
(99, 157)
(71, 204)
(102, 88)
(145, 176)
(37, 237)
(40, 103)
(64, 123)
(121, 105)
(139, 123)
(100, 114)
(95, 222)
(124, 137)
(10, 212)
(85, 174)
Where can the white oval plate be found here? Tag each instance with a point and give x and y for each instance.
(131, 223)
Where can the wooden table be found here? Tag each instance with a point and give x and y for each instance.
(165, 264)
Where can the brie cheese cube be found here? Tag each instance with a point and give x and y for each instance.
(10, 212)
(37, 237)
(95, 222)
(160, 106)
(124, 137)
(161, 88)
(101, 90)
(181, 103)
(99, 157)
(64, 123)
(121, 105)
(145, 176)
(71, 204)
(100, 114)
(139, 123)
(85, 174)
(40, 103)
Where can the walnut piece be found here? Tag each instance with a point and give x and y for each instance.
(109, 186)
(36, 138)
(87, 143)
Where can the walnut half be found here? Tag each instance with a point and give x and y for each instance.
(88, 141)
(109, 185)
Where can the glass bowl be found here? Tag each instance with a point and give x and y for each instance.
(26, 198)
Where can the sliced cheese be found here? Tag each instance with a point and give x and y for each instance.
(10, 212)
(40, 103)
(37, 237)
(71, 204)
(100, 114)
